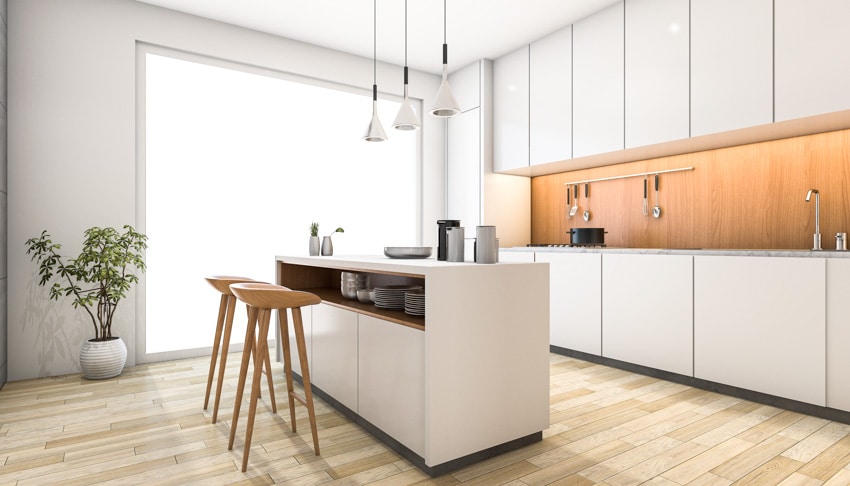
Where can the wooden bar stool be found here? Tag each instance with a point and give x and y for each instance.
(224, 324)
(261, 299)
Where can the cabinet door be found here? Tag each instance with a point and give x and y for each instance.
(598, 84)
(812, 61)
(575, 300)
(657, 90)
(551, 98)
(759, 324)
(647, 310)
(391, 373)
(516, 256)
(334, 363)
(838, 333)
(731, 67)
(510, 110)
(463, 171)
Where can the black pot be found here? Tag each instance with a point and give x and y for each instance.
(587, 236)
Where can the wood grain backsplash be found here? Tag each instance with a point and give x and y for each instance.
(744, 197)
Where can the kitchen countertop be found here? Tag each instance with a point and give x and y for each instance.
(687, 251)
(378, 263)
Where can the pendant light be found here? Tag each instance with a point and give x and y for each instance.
(445, 104)
(375, 132)
(406, 118)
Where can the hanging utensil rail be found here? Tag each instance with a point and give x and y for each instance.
(642, 174)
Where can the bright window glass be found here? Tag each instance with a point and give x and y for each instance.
(237, 167)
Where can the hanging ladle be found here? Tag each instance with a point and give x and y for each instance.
(586, 214)
(656, 210)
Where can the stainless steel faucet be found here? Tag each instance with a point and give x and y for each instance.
(817, 243)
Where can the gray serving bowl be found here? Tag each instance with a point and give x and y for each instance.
(407, 251)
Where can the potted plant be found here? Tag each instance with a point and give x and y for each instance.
(327, 244)
(314, 238)
(98, 279)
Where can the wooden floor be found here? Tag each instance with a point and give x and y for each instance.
(608, 426)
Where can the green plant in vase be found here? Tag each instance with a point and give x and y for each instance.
(327, 243)
(314, 238)
(98, 279)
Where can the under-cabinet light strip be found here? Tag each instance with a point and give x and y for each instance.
(654, 172)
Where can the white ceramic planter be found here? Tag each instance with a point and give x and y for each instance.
(314, 246)
(103, 359)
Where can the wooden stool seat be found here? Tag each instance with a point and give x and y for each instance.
(224, 325)
(261, 299)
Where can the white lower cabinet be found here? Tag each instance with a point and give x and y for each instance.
(759, 324)
(647, 310)
(837, 333)
(391, 373)
(575, 300)
(516, 256)
(334, 365)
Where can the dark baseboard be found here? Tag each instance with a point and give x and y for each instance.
(412, 457)
(743, 393)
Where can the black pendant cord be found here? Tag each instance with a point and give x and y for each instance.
(405, 40)
(405, 43)
(374, 50)
(445, 45)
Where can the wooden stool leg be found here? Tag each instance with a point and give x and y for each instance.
(266, 360)
(225, 345)
(305, 373)
(287, 365)
(263, 348)
(221, 310)
(243, 372)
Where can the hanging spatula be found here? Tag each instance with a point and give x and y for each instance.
(574, 209)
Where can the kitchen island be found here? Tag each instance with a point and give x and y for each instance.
(766, 325)
(467, 381)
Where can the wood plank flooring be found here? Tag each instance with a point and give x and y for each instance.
(608, 427)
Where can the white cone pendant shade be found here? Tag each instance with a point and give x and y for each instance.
(406, 118)
(445, 104)
(375, 132)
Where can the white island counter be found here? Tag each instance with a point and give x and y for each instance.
(467, 381)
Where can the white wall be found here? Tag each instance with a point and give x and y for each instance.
(4, 280)
(72, 142)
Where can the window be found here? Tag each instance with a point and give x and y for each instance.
(237, 165)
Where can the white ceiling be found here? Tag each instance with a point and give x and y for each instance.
(476, 29)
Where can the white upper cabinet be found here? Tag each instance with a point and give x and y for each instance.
(656, 75)
(466, 86)
(551, 98)
(510, 110)
(598, 84)
(812, 65)
(732, 66)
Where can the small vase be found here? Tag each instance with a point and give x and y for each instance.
(314, 246)
(103, 359)
(327, 246)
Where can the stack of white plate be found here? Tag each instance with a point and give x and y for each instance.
(392, 296)
(414, 302)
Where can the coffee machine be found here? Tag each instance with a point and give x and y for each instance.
(442, 238)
